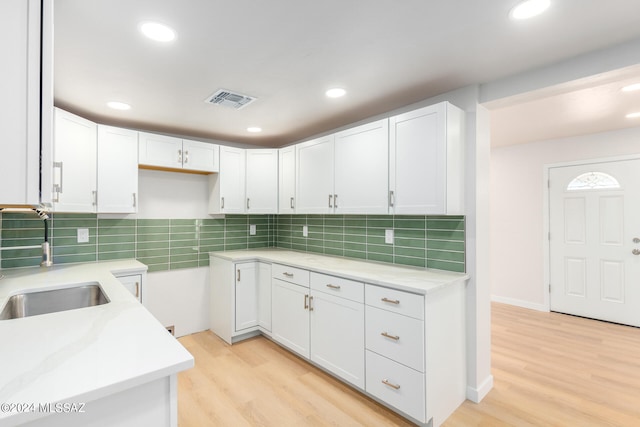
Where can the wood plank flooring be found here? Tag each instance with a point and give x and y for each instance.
(549, 370)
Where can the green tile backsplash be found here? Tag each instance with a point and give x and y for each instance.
(168, 244)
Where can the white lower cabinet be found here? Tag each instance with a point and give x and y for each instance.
(337, 336)
(134, 284)
(237, 290)
(404, 349)
(290, 316)
(396, 384)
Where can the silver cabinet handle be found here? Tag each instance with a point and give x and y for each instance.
(393, 386)
(291, 203)
(222, 203)
(137, 289)
(94, 194)
(180, 156)
(248, 203)
(135, 200)
(310, 301)
(393, 337)
(287, 274)
(186, 156)
(330, 197)
(391, 198)
(58, 187)
(238, 275)
(306, 301)
(329, 285)
(636, 251)
(392, 301)
(335, 200)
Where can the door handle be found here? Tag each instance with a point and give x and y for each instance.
(636, 240)
(291, 203)
(391, 198)
(335, 200)
(310, 301)
(636, 251)
(330, 197)
(248, 205)
(306, 301)
(137, 289)
(238, 275)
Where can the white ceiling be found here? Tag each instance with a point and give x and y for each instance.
(385, 53)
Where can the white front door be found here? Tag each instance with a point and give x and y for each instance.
(594, 222)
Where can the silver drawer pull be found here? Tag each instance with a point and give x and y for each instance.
(392, 301)
(287, 274)
(393, 386)
(393, 337)
(329, 285)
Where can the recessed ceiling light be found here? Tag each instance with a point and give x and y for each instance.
(633, 115)
(336, 92)
(254, 129)
(630, 88)
(157, 31)
(116, 105)
(529, 8)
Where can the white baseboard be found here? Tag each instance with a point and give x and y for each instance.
(519, 303)
(477, 394)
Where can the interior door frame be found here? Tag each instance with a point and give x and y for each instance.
(546, 207)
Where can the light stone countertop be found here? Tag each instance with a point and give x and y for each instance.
(411, 279)
(81, 355)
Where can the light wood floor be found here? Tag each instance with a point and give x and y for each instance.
(549, 370)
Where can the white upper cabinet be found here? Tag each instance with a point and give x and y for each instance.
(426, 174)
(74, 163)
(160, 151)
(200, 156)
(262, 181)
(344, 173)
(117, 170)
(287, 180)
(20, 111)
(227, 188)
(166, 152)
(314, 176)
(361, 169)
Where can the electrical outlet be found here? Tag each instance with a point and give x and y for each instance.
(83, 235)
(388, 236)
(252, 230)
(305, 231)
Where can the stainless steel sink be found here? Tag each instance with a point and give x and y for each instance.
(54, 300)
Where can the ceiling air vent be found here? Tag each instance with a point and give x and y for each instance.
(227, 98)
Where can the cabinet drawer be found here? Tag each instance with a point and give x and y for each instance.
(397, 337)
(397, 385)
(338, 286)
(290, 274)
(394, 300)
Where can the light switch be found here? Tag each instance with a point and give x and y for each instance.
(83, 235)
(305, 231)
(252, 230)
(388, 236)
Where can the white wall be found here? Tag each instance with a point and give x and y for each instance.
(517, 216)
(176, 297)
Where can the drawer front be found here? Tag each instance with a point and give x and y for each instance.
(394, 300)
(397, 385)
(397, 337)
(290, 274)
(338, 286)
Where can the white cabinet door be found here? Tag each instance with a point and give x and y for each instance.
(264, 296)
(246, 292)
(20, 107)
(287, 180)
(362, 169)
(290, 316)
(231, 180)
(314, 176)
(159, 151)
(426, 161)
(200, 156)
(133, 284)
(74, 156)
(117, 170)
(337, 336)
(262, 181)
